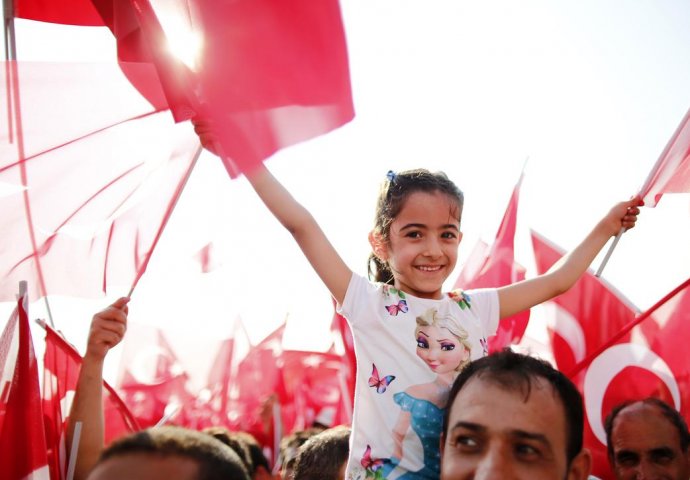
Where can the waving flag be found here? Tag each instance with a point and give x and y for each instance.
(671, 173)
(496, 268)
(269, 74)
(87, 181)
(61, 365)
(22, 438)
(585, 317)
(646, 358)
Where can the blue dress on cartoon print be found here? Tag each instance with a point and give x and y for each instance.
(426, 420)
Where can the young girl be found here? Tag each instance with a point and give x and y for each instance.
(415, 246)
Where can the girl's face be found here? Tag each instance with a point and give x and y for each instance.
(423, 244)
(440, 349)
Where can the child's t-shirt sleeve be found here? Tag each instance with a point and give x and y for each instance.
(358, 288)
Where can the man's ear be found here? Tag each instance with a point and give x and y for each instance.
(378, 245)
(581, 466)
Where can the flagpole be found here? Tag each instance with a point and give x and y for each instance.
(166, 217)
(15, 120)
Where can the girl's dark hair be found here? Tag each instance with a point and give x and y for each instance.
(392, 196)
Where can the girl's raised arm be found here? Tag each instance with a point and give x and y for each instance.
(564, 273)
(303, 227)
(334, 273)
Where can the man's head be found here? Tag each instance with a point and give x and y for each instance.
(513, 416)
(323, 456)
(648, 439)
(169, 452)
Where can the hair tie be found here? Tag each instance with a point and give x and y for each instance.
(391, 176)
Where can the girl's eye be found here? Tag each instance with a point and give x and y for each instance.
(447, 346)
(449, 235)
(414, 234)
(422, 343)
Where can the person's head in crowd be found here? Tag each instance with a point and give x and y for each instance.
(289, 446)
(239, 445)
(165, 453)
(513, 416)
(262, 467)
(647, 439)
(323, 456)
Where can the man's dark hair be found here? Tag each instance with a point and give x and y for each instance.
(216, 460)
(255, 451)
(323, 455)
(290, 444)
(238, 445)
(515, 371)
(665, 409)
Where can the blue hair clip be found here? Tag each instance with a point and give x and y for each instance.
(391, 176)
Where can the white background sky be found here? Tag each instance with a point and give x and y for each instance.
(590, 91)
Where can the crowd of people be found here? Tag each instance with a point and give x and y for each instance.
(508, 415)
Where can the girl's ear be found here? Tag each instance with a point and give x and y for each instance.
(378, 245)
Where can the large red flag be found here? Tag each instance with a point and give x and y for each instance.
(270, 74)
(61, 365)
(497, 268)
(671, 173)
(22, 438)
(152, 380)
(585, 317)
(89, 180)
(646, 358)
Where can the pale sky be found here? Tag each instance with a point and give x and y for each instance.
(589, 91)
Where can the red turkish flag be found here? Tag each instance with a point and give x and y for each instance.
(496, 268)
(22, 438)
(671, 173)
(61, 365)
(582, 319)
(152, 380)
(647, 358)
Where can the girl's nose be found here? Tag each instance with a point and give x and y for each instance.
(432, 247)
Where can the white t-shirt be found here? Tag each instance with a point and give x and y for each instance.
(390, 371)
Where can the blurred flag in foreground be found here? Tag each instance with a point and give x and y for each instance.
(22, 438)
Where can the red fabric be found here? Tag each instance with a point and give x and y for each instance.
(61, 365)
(207, 258)
(671, 174)
(68, 12)
(270, 74)
(22, 438)
(120, 166)
(498, 268)
(580, 322)
(647, 358)
(152, 380)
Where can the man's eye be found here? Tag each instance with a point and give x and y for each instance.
(527, 451)
(663, 457)
(466, 442)
(627, 460)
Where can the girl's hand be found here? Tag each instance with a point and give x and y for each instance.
(622, 215)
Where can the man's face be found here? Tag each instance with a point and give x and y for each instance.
(646, 446)
(495, 433)
(144, 466)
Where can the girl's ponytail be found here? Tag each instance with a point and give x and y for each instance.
(378, 270)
